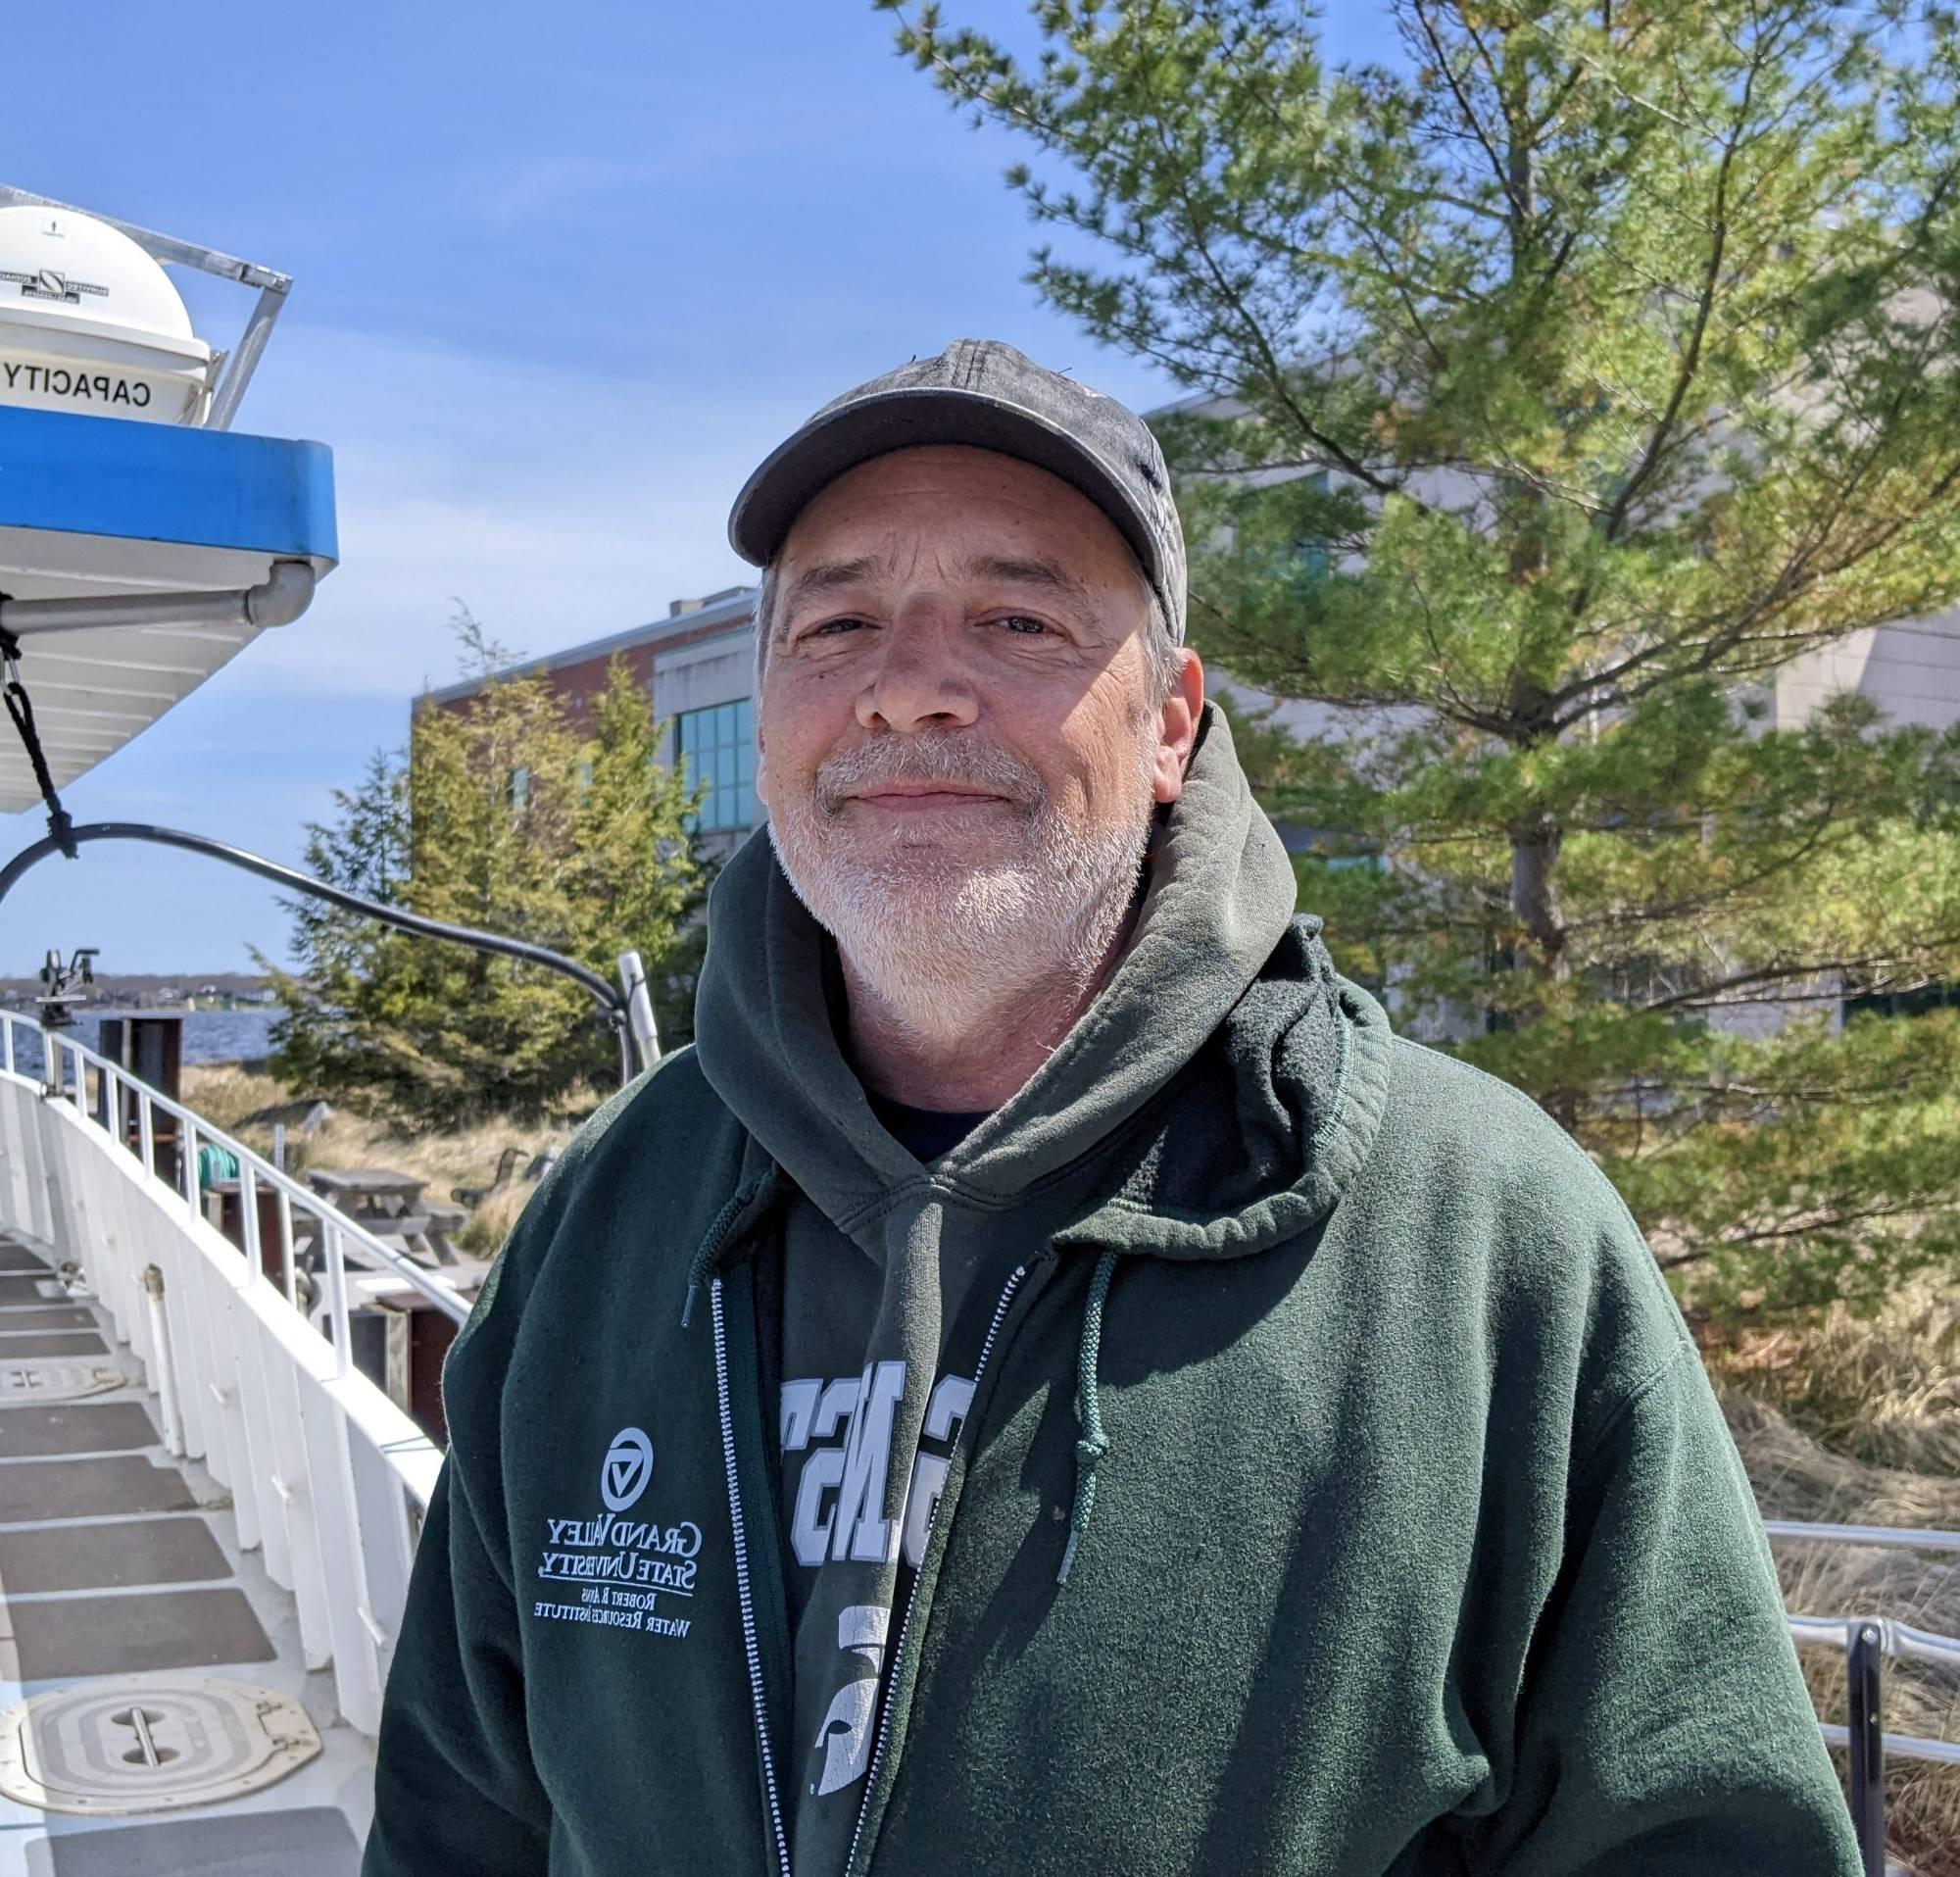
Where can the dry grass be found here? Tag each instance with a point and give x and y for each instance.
(233, 1096)
(1884, 1389)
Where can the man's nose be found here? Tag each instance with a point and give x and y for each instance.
(920, 682)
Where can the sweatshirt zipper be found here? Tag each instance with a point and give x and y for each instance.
(751, 1643)
(897, 1662)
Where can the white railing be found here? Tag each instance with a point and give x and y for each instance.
(329, 1478)
(1867, 1641)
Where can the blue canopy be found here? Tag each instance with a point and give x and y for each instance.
(105, 508)
(108, 476)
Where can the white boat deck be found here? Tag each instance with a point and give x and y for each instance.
(119, 1564)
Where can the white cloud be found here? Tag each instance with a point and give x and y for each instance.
(561, 504)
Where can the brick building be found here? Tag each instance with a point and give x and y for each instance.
(698, 667)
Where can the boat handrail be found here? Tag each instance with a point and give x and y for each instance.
(337, 1229)
(1896, 1639)
(328, 1477)
(1866, 1641)
(1904, 1538)
(1940, 1753)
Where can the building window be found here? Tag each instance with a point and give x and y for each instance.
(1312, 555)
(718, 746)
(1307, 557)
(1916, 1003)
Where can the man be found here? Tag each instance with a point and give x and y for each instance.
(1049, 1383)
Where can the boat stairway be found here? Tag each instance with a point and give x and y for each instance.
(175, 1725)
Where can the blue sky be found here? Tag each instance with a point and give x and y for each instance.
(563, 275)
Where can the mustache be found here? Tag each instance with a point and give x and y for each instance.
(929, 758)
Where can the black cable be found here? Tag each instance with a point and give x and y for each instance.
(20, 706)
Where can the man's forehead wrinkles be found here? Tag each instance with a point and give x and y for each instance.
(1027, 570)
(823, 577)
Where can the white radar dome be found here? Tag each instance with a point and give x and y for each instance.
(89, 323)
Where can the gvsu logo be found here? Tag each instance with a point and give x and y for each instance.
(629, 1466)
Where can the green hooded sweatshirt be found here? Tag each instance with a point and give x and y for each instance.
(1400, 1531)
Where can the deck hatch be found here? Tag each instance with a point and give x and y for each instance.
(149, 1743)
(47, 1379)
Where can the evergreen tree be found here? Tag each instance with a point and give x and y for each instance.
(1557, 382)
(502, 816)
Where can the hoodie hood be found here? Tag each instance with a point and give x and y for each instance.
(1215, 1096)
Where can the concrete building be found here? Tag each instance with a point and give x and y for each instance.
(1910, 669)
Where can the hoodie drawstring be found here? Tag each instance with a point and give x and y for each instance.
(1094, 1443)
(710, 1246)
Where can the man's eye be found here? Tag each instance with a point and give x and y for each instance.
(825, 628)
(1024, 623)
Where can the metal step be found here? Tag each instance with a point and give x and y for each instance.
(314, 1842)
(121, 1586)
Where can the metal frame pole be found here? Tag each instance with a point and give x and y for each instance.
(337, 1312)
(167, 1378)
(615, 1004)
(1864, 1663)
(279, 599)
(639, 1010)
(236, 372)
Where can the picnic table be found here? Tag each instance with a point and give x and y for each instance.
(390, 1205)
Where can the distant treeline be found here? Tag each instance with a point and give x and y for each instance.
(112, 987)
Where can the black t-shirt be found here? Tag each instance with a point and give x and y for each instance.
(925, 1133)
(866, 1430)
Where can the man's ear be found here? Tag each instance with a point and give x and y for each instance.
(1177, 730)
(761, 782)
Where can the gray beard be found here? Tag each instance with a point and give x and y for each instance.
(944, 946)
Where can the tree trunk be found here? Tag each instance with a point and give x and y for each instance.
(1535, 901)
(1535, 897)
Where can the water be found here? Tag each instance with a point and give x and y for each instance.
(209, 1036)
(227, 1036)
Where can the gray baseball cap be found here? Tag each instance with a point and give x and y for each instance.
(985, 394)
